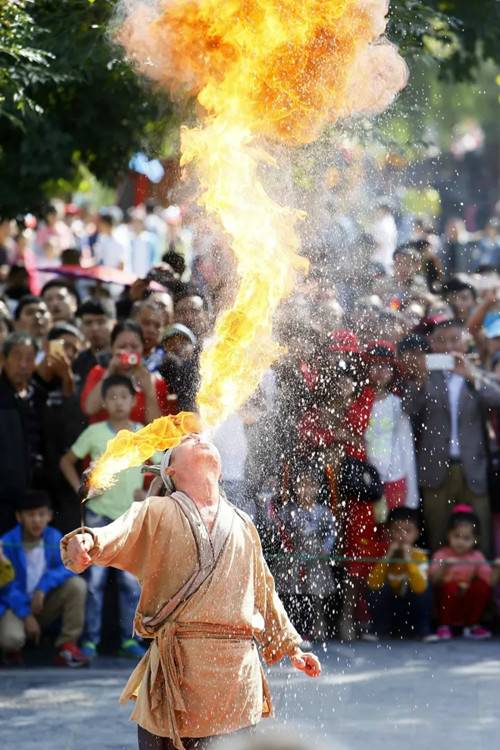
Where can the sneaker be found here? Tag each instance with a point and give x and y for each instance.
(477, 633)
(431, 638)
(444, 633)
(132, 649)
(89, 649)
(69, 655)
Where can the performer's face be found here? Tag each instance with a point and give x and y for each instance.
(193, 452)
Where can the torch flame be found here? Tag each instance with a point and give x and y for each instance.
(275, 69)
(128, 448)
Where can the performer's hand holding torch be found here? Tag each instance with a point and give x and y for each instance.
(76, 552)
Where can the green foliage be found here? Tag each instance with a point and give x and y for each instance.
(68, 98)
(460, 34)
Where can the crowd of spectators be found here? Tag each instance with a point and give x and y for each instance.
(369, 457)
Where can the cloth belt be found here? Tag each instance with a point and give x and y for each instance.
(166, 662)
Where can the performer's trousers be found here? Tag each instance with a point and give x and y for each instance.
(148, 741)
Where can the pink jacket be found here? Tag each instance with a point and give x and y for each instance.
(469, 566)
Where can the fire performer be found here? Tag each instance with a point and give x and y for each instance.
(207, 600)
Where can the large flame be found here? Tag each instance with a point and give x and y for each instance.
(274, 69)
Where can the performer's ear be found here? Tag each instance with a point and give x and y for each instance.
(168, 479)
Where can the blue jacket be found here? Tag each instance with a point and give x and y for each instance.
(14, 595)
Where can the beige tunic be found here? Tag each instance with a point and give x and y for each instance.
(202, 674)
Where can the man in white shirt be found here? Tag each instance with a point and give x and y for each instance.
(108, 251)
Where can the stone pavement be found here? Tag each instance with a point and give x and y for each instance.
(375, 697)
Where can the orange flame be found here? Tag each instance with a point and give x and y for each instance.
(128, 448)
(278, 69)
(275, 68)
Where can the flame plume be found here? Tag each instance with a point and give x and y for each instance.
(272, 69)
(280, 69)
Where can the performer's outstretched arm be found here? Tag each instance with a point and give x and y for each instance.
(121, 544)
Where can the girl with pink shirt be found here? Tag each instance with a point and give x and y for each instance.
(462, 578)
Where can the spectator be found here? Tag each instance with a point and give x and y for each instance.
(306, 529)
(451, 458)
(53, 232)
(405, 281)
(385, 235)
(462, 298)
(401, 598)
(61, 299)
(489, 245)
(190, 310)
(17, 285)
(165, 302)
(5, 247)
(62, 419)
(149, 317)
(43, 590)
(6, 325)
(127, 348)
(32, 317)
(454, 246)
(97, 319)
(389, 437)
(180, 365)
(108, 251)
(118, 395)
(21, 436)
(143, 245)
(462, 577)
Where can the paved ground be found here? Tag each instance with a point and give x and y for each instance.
(370, 697)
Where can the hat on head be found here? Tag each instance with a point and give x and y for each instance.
(179, 329)
(343, 340)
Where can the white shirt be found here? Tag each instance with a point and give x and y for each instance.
(109, 252)
(35, 566)
(385, 235)
(454, 384)
(231, 442)
(390, 447)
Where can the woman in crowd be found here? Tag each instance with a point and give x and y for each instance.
(127, 349)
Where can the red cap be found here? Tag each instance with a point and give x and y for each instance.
(343, 340)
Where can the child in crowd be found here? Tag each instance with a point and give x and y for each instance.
(306, 530)
(43, 590)
(400, 595)
(389, 436)
(462, 578)
(118, 399)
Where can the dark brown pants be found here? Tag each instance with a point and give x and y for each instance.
(148, 741)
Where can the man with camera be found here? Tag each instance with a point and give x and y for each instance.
(448, 399)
